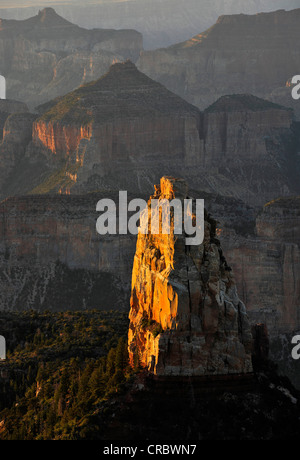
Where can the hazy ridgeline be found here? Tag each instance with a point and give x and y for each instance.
(162, 22)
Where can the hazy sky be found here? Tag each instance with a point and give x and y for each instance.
(34, 3)
(24, 3)
(223, 3)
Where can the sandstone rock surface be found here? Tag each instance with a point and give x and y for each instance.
(186, 317)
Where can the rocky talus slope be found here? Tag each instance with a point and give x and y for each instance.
(186, 317)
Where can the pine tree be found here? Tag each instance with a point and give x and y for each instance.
(110, 362)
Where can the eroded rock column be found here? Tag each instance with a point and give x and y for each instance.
(186, 317)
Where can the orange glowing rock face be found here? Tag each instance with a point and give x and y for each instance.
(185, 315)
(218, 232)
(59, 138)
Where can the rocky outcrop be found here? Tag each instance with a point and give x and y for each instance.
(46, 56)
(238, 54)
(186, 317)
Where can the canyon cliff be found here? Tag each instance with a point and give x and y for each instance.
(46, 56)
(264, 255)
(186, 317)
(122, 132)
(51, 256)
(240, 53)
(266, 263)
(123, 129)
